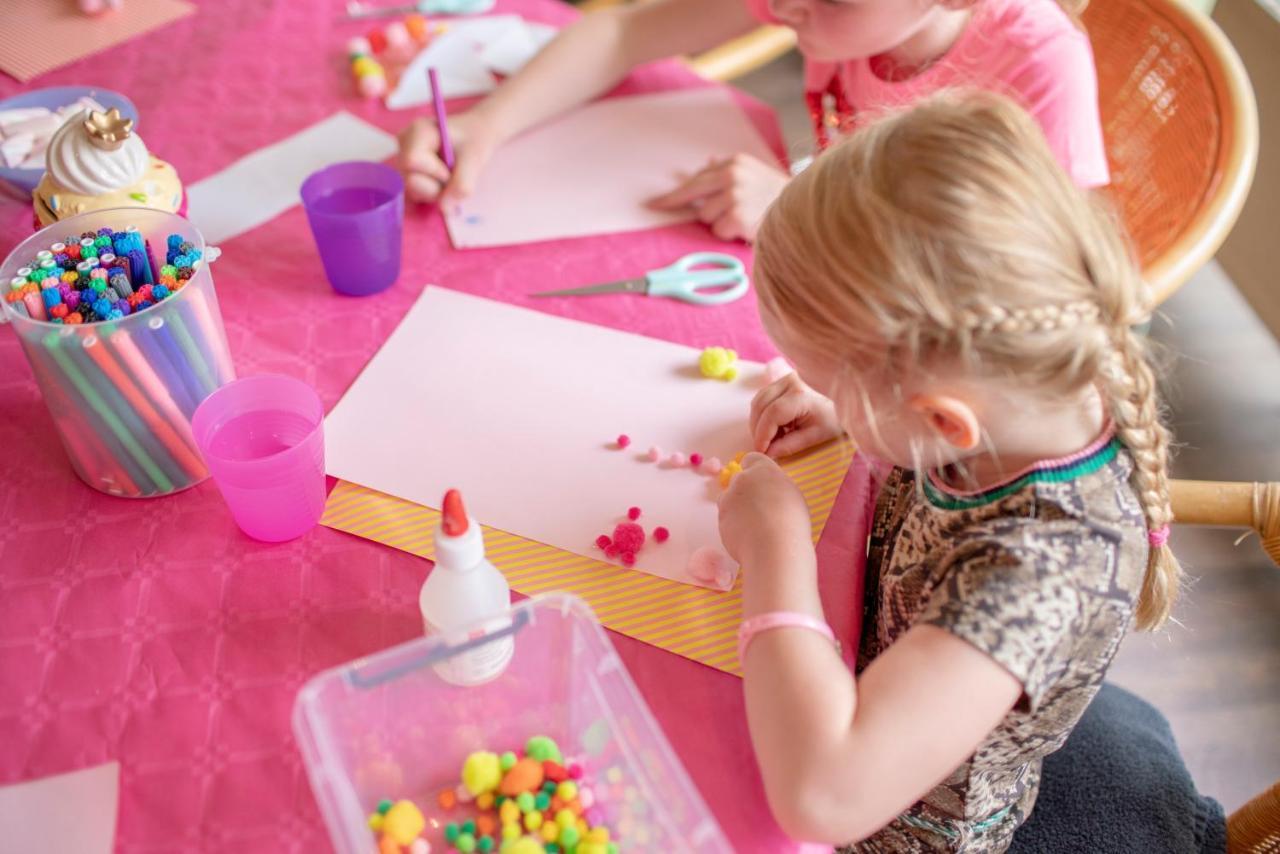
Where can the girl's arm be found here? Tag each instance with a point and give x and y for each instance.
(594, 54)
(840, 758)
(587, 59)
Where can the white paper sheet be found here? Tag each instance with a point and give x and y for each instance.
(511, 50)
(520, 410)
(591, 171)
(71, 813)
(260, 186)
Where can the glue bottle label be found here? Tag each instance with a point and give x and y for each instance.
(480, 664)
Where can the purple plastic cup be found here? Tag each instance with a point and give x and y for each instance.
(262, 438)
(356, 211)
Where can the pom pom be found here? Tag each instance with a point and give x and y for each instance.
(358, 46)
(717, 363)
(712, 566)
(655, 454)
(633, 513)
(661, 535)
(628, 558)
(677, 460)
(628, 537)
(603, 542)
(695, 460)
(372, 85)
(623, 441)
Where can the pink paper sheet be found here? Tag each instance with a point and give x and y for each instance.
(520, 410)
(592, 171)
(72, 813)
(39, 35)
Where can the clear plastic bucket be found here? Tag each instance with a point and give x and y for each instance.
(122, 392)
(388, 726)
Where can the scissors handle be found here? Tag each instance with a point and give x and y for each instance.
(681, 281)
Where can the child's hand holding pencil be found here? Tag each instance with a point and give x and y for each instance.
(426, 176)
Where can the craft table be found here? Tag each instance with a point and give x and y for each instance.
(153, 631)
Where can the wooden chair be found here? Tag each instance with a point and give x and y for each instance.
(1181, 125)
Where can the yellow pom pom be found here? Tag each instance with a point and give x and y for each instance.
(533, 821)
(568, 790)
(509, 812)
(728, 473)
(716, 363)
(482, 772)
(511, 830)
(550, 831)
(525, 845)
(598, 834)
(566, 818)
(403, 822)
(375, 822)
(484, 801)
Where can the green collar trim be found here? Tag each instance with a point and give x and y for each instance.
(1049, 474)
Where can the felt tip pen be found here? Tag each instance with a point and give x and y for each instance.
(437, 102)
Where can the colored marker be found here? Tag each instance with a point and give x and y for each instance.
(437, 102)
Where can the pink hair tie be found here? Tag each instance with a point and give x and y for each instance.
(1159, 536)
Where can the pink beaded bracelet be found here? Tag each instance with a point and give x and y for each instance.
(753, 626)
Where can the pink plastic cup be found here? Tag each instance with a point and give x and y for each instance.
(262, 438)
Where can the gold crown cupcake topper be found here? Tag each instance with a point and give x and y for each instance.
(108, 130)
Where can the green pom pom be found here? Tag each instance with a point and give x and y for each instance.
(507, 761)
(552, 848)
(549, 787)
(469, 826)
(485, 845)
(542, 748)
(383, 806)
(613, 848)
(451, 832)
(569, 836)
(466, 843)
(525, 801)
(542, 801)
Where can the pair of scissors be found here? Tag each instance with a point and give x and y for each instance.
(700, 278)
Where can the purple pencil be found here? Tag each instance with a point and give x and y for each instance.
(437, 102)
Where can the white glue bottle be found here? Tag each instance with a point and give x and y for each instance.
(464, 589)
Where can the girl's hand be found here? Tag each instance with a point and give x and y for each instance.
(763, 516)
(729, 195)
(787, 416)
(426, 178)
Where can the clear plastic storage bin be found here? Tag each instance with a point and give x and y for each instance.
(388, 727)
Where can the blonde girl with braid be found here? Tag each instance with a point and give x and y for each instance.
(956, 305)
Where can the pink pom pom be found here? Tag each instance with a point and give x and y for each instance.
(623, 441)
(655, 454)
(633, 513)
(712, 566)
(464, 794)
(611, 551)
(586, 797)
(575, 771)
(676, 460)
(695, 460)
(628, 537)
(359, 46)
(776, 369)
(660, 535)
(372, 85)
(628, 558)
(603, 542)
(712, 465)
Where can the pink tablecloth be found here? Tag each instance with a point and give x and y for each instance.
(154, 632)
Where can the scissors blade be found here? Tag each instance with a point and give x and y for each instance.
(623, 286)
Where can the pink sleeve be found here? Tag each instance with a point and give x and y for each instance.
(1059, 87)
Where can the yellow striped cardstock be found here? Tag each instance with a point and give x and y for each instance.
(691, 621)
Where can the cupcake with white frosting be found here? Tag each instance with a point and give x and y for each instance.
(95, 161)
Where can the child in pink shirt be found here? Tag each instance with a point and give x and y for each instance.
(862, 56)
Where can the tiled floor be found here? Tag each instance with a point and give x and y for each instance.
(1216, 674)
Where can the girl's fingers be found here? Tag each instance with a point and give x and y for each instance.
(715, 207)
(783, 411)
(705, 183)
(421, 188)
(762, 400)
(795, 441)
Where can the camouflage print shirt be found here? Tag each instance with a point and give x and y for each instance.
(1041, 573)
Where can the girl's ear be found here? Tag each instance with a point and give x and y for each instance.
(951, 419)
